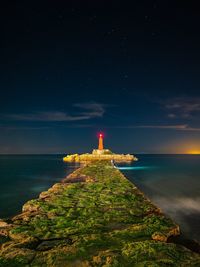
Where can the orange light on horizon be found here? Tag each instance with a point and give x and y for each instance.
(194, 152)
(184, 146)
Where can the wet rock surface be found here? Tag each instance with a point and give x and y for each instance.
(94, 217)
(83, 158)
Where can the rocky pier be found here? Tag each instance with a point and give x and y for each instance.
(94, 217)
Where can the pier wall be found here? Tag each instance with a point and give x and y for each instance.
(94, 217)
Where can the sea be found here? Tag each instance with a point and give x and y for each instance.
(172, 182)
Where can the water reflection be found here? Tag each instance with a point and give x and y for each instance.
(135, 168)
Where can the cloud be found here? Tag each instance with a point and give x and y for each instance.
(88, 111)
(172, 116)
(179, 127)
(183, 107)
(22, 128)
(173, 127)
(93, 110)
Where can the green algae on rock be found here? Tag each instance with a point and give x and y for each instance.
(94, 217)
(84, 158)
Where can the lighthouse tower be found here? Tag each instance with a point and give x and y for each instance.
(100, 142)
(101, 150)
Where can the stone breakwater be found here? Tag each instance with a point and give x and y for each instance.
(94, 217)
(84, 158)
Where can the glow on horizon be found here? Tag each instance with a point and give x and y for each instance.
(193, 149)
(184, 146)
(194, 152)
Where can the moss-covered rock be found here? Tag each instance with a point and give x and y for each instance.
(95, 217)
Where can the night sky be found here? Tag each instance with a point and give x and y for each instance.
(70, 69)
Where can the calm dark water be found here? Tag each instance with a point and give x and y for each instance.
(24, 177)
(171, 181)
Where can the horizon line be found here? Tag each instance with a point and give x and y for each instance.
(137, 153)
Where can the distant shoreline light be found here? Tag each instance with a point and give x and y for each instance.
(194, 152)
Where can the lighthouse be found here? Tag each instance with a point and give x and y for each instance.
(99, 153)
(100, 147)
(101, 150)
